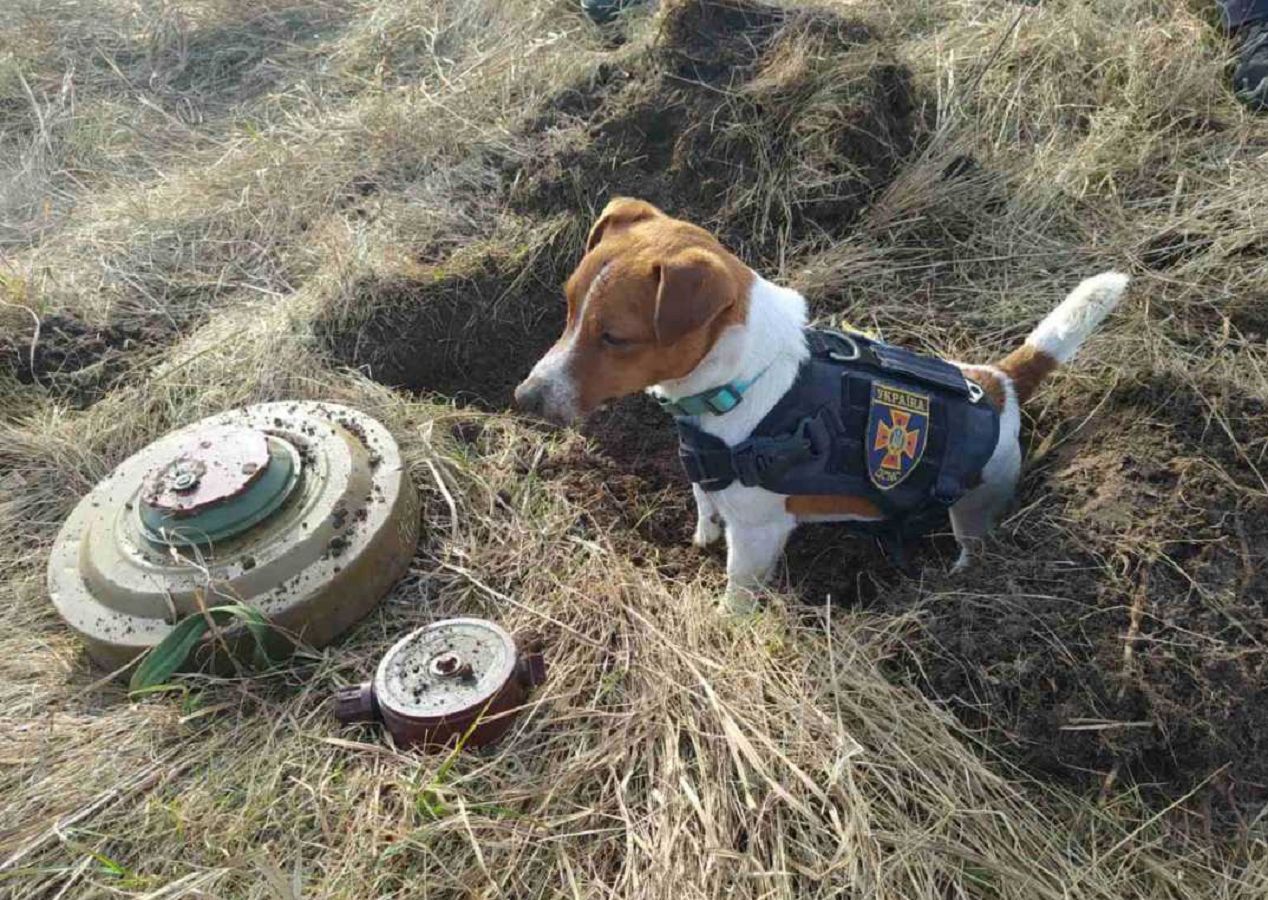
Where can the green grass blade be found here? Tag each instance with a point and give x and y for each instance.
(165, 657)
(170, 654)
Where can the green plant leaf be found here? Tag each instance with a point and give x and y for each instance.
(170, 654)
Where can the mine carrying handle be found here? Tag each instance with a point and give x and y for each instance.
(530, 670)
(357, 704)
(530, 667)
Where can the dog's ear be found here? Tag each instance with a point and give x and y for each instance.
(621, 212)
(695, 288)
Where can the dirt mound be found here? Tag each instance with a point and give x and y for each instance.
(626, 474)
(1159, 673)
(756, 121)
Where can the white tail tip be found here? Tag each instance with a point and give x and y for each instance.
(1061, 333)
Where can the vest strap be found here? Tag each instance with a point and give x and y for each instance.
(759, 461)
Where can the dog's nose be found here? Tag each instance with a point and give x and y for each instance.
(530, 397)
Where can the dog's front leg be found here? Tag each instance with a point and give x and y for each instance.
(708, 523)
(752, 551)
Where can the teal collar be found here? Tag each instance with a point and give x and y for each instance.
(715, 401)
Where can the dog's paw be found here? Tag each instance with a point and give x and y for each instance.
(737, 602)
(962, 563)
(707, 531)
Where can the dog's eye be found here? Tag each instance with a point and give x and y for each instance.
(612, 340)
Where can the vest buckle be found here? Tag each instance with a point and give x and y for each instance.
(761, 460)
(723, 399)
(840, 337)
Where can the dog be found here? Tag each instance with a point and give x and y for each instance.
(659, 305)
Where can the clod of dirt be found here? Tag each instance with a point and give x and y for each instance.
(829, 563)
(630, 478)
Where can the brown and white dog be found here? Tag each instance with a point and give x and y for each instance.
(658, 304)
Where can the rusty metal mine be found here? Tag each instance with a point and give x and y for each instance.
(453, 678)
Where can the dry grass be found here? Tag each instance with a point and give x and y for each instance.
(231, 178)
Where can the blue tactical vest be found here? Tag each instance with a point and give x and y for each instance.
(863, 419)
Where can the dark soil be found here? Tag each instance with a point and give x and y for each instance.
(72, 358)
(628, 477)
(1033, 648)
(471, 331)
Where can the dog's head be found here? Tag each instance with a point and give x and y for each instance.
(647, 302)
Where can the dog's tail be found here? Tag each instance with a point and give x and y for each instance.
(1057, 338)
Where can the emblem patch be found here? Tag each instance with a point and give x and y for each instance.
(897, 431)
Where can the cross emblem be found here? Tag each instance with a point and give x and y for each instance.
(897, 440)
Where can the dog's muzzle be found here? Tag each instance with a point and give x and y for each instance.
(542, 398)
